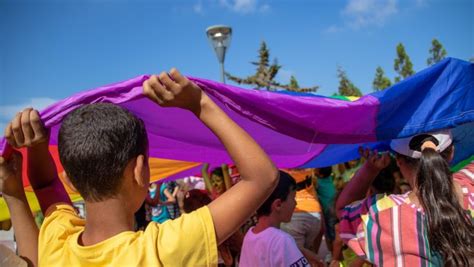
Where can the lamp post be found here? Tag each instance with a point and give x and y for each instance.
(220, 36)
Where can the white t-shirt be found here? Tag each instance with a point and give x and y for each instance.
(271, 247)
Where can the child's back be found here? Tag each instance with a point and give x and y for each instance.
(190, 239)
(270, 247)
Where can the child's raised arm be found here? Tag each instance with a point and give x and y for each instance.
(205, 177)
(11, 187)
(357, 187)
(27, 130)
(259, 175)
(226, 176)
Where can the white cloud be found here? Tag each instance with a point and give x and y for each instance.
(333, 29)
(364, 13)
(244, 6)
(359, 14)
(7, 112)
(198, 8)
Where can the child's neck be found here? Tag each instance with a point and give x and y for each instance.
(266, 221)
(106, 219)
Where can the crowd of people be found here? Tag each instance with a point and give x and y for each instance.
(402, 210)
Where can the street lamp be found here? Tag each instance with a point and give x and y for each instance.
(219, 36)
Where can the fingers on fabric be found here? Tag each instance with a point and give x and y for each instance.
(26, 129)
(172, 87)
(149, 89)
(18, 137)
(179, 78)
(160, 88)
(39, 131)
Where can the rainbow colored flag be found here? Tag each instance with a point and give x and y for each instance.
(295, 129)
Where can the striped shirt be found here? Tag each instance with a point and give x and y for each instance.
(391, 231)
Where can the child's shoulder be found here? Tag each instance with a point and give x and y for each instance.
(273, 235)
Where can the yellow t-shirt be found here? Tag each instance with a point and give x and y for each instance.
(306, 200)
(189, 240)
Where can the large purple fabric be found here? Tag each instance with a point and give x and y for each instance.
(299, 130)
(292, 130)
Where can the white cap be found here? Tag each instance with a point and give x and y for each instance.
(405, 146)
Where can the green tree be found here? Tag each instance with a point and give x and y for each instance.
(293, 83)
(403, 65)
(437, 52)
(264, 77)
(346, 87)
(380, 81)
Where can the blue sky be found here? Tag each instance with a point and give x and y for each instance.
(52, 49)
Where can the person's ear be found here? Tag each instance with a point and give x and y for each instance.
(68, 181)
(276, 205)
(141, 174)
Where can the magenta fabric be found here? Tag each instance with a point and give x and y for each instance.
(292, 130)
(299, 129)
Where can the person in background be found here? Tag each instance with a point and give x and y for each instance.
(173, 208)
(265, 244)
(196, 199)
(440, 209)
(218, 181)
(348, 169)
(404, 187)
(158, 199)
(326, 192)
(306, 225)
(383, 183)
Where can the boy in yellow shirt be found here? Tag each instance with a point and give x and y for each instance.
(104, 151)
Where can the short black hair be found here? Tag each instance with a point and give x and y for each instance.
(195, 199)
(96, 142)
(384, 182)
(325, 172)
(286, 184)
(217, 171)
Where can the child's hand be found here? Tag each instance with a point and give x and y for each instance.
(11, 183)
(26, 130)
(374, 160)
(173, 90)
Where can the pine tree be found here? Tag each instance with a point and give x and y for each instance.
(380, 81)
(437, 52)
(262, 64)
(403, 65)
(293, 83)
(346, 87)
(264, 77)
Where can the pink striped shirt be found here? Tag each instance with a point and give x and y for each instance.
(391, 231)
